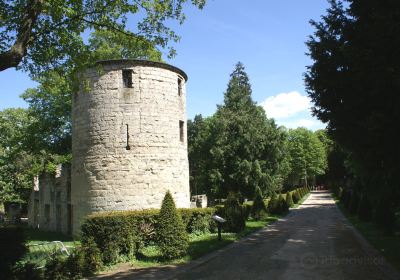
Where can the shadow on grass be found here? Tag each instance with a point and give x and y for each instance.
(35, 235)
(387, 244)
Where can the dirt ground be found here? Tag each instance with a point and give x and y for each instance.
(313, 241)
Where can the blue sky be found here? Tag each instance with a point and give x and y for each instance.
(267, 36)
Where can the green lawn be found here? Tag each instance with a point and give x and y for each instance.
(40, 244)
(388, 245)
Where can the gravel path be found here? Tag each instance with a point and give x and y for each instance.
(313, 241)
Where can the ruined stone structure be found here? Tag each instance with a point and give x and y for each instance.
(49, 207)
(129, 145)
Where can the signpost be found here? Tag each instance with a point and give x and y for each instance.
(219, 221)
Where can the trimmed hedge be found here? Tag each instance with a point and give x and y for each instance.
(136, 228)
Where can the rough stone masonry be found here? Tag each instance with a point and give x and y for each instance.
(129, 141)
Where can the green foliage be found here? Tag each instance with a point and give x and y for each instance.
(289, 200)
(354, 203)
(364, 210)
(135, 229)
(198, 220)
(238, 148)
(308, 155)
(27, 271)
(296, 196)
(282, 205)
(258, 210)
(42, 35)
(234, 213)
(55, 268)
(12, 244)
(353, 83)
(385, 214)
(172, 237)
(273, 204)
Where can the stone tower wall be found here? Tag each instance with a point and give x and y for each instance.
(107, 176)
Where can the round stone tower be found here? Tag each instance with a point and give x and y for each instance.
(129, 143)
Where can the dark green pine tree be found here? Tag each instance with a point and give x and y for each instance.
(172, 237)
(245, 150)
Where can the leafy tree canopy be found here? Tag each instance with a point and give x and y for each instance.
(38, 35)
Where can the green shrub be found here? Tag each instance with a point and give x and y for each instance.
(55, 268)
(27, 271)
(12, 249)
(295, 196)
(104, 227)
(347, 200)
(234, 214)
(364, 211)
(135, 229)
(289, 200)
(353, 206)
(258, 210)
(91, 256)
(74, 265)
(198, 220)
(282, 206)
(385, 214)
(273, 204)
(172, 238)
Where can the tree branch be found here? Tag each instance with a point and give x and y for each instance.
(14, 56)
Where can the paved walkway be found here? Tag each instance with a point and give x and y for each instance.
(313, 241)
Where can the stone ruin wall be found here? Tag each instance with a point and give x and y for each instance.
(49, 204)
(149, 117)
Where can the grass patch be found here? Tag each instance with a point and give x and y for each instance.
(387, 245)
(41, 245)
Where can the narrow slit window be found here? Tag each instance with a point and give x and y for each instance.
(181, 134)
(179, 86)
(47, 213)
(127, 138)
(127, 78)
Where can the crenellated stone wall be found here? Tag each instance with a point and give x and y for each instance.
(129, 144)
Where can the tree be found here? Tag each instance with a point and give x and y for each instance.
(16, 178)
(307, 153)
(354, 85)
(258, 210)
(39, 35)
(38, 138)
(172, 237)
(247, 147)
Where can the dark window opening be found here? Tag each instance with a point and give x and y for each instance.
(179, 86)
(47, 213)
(181, 134)
(127, 138)
(127, 78)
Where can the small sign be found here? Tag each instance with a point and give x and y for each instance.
(218, 219)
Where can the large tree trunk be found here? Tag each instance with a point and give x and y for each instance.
(14, 56)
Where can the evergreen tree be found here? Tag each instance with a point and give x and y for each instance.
(258, 210)
(289, 200)
(353, 83)
(247, 148)
(171, 234)
(234, 214)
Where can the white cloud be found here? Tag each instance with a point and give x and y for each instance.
(291, 110)
(285, 105)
